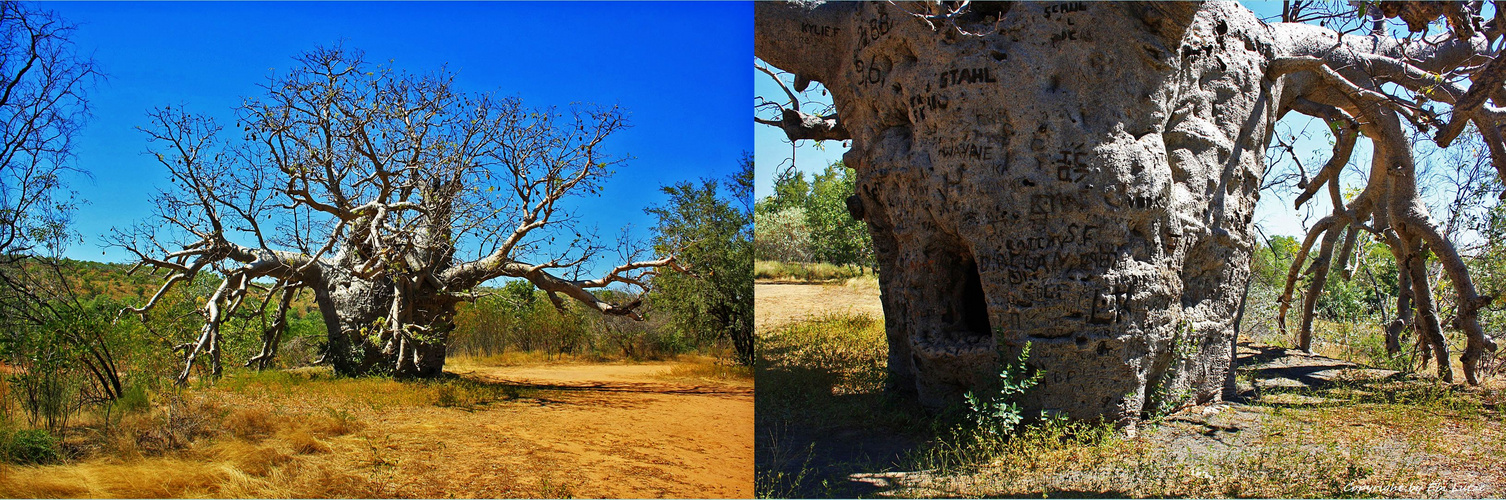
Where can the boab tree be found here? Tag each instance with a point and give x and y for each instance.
(1082, 176)
(369, 188)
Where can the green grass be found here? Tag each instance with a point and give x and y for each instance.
(822, 371)
(807, 272)
(30, 446)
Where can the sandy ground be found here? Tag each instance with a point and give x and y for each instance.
(605, 430)
(602, 430)
(776, 304)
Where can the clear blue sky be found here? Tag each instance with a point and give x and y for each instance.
(679, 69)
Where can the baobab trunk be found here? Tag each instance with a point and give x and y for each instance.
(360, 340)
(1078, 176)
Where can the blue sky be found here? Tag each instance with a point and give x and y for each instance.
(679, 69)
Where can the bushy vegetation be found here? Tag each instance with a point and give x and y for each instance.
(817, 271)
(1359, 299)
(710, 228)
(517, 317)
(92, 361)
(808, 221)
(998, 414)
(821, 391)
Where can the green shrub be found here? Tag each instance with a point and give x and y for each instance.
(32, 446)
(134, 399)
(999, 414)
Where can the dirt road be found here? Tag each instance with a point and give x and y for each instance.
(604, 430)
(776, 304)
(583, 430)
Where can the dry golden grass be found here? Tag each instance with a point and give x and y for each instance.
(305, 433)
(518, 358)
(250, 423)
(304, 443)
(225, 468)
(822, 376)
(705, 368)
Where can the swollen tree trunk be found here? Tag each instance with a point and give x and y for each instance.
(1082, 177)
(372, 179)
(361, 343)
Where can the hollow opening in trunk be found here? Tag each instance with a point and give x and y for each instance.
(969, 304)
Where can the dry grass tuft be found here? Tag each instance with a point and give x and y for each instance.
(151, 478)
(231, 470)
(867, 282)
(706, 368)
(304, 443)
(806, 272)
(335, 422)
(251, 423)
(175, 422)
(250, 458)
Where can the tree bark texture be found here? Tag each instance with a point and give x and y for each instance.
(1082, 177)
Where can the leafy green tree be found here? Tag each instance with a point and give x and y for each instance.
(1271, 260)
(790, 190)
(808, 221)
(710, 227)
(782, 235)
(837, 238)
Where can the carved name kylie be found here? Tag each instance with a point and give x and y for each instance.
(819, 30)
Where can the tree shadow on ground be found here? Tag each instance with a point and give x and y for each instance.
(815, 432)
(1281, 377)
(601, 386)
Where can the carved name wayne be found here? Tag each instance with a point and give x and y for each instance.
(819, 30)
(965, 75)
(966, 150)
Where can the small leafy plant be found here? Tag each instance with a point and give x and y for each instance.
(999, 414)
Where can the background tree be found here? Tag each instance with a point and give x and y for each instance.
(710, 228)
(381, 192)
(782, 236)
(42, 106)
(56, 343)
(837, 236)
(809, 221)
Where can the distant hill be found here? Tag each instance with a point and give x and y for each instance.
(94, 279)
(111, 280)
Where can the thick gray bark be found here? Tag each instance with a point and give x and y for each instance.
(1082, 176)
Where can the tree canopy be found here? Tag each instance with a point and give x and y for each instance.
(389, 195)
